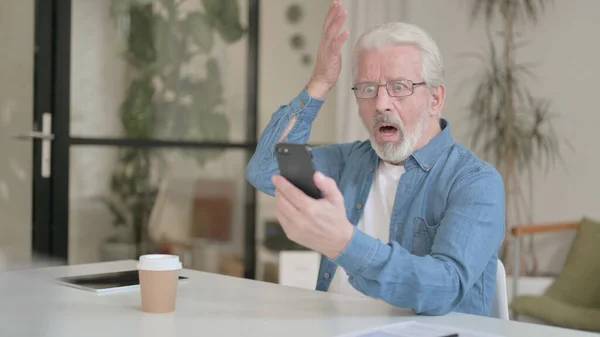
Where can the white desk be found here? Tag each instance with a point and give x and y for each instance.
(208, 305)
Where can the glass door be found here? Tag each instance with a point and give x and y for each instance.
(155, 130)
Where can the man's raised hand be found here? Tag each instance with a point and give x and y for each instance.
(329, 59)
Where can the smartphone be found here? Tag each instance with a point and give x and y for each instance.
(296, 165)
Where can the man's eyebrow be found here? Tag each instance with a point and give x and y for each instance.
(388, 79)
(396, 78)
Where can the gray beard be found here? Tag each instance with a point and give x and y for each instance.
(396, 152)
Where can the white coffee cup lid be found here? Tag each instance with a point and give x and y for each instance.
(159, 262)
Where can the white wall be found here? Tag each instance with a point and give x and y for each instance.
(282, 76)
(566, 57)
(16, 116)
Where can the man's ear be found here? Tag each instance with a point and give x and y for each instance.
(438, 96)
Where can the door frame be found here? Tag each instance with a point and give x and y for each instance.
(50, 235)
(49, 230)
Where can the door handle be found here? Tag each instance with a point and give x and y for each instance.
(46, 136)
(34, 135)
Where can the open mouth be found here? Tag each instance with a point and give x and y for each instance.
(387, 129)
(387, 132)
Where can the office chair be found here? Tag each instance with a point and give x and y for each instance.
(500, 304)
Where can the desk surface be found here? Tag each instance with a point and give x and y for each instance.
(208, 305)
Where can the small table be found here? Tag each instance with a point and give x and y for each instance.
(31, 304)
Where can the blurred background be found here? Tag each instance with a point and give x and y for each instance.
(126, 125)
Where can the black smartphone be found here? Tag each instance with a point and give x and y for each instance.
(296, 165)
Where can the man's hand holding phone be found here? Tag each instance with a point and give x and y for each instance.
(318, 224)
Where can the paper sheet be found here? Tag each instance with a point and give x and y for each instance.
(416, 329)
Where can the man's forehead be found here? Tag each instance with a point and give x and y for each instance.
(398, 62)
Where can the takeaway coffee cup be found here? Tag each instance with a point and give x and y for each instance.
(159, 275)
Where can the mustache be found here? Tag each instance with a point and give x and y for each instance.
(389, 119)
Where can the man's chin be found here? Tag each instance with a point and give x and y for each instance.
(389, 151)
(387, 145)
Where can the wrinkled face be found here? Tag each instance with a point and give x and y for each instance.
(395, 124)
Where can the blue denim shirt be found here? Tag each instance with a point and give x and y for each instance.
(447, 224)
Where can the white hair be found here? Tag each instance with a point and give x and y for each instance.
(400, 33)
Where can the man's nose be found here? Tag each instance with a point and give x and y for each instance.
(383, 101)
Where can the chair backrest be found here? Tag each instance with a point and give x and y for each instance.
(500, 304)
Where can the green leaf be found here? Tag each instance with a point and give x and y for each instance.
(138, 109)
(225, 14)
(213, 7)
(230, 32)
(209, 93)
(213, 71)
(201, 31)
(166, 43)
(171, 6)
(141, 39)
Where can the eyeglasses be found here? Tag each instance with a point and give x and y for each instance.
(397, 88)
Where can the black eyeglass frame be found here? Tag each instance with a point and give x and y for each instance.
(409, 83)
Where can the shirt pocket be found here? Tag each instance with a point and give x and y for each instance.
(423, 236)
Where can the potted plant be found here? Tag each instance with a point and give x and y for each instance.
(163, 101)
(511, 127)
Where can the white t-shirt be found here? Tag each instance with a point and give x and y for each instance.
(376, 217)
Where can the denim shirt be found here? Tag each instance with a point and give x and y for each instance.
(447, 223)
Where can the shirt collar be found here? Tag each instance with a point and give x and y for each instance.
(429, 154)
